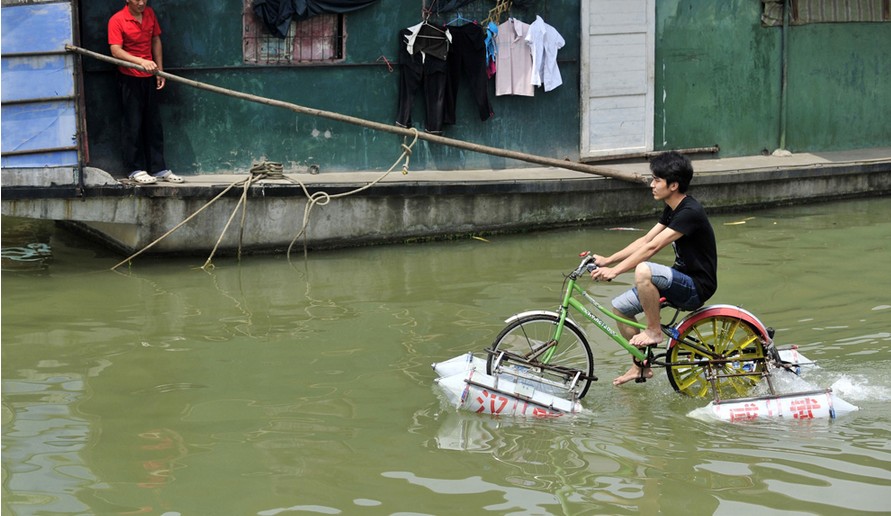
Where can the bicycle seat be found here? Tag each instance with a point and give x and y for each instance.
(664, 303)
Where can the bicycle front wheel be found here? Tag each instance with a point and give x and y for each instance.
(737, 342)
(525, 338)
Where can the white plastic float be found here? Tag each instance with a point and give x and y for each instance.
(799, 405)
(466, 385)
(795, 360)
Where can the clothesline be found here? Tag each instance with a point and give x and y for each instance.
(495, 14)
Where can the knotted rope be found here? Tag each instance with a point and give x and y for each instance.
(272, 170)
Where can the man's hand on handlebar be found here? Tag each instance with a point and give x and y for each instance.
(596, 267)
(600, 261)
(603, 274)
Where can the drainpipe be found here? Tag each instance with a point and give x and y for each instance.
(784, 57)
(79, 108)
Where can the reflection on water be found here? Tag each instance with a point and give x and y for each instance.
(25, 245)
(263, 388)
(42, 441)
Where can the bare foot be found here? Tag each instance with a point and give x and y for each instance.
(646, 338)
(632, 374)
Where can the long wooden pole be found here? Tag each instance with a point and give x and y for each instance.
(494, 151)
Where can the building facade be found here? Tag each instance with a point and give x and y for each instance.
(637, 75)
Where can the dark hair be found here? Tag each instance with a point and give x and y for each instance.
(673, 167)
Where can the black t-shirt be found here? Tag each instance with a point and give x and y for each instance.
(696, 253)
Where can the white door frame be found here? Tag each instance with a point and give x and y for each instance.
(617, 77)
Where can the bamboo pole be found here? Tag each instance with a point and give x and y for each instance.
(442, 140)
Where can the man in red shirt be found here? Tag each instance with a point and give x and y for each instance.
(135, 36)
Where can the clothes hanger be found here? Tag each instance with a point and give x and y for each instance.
(442, 32)
(460, 18)
(426, 22)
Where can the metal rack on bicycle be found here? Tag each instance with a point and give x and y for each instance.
(531, 371)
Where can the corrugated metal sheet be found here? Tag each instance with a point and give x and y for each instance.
(39, 115)
(827, 11)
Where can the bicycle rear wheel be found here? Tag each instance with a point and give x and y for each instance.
(526, 335)
(737, 341)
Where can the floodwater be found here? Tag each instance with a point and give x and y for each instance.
(305, 388)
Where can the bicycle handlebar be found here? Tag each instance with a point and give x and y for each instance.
(587, 264)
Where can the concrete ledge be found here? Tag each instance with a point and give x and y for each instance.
(53, 177)
(422, 205)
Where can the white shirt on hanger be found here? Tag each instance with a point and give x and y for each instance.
(545, 41)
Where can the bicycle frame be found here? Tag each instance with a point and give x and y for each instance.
(708, 348)
(569, 300)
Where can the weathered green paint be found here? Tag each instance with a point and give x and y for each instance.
(718, 74)
(840, 79)
(717, 77)
(206, 132)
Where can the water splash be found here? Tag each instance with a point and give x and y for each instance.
(857, 387)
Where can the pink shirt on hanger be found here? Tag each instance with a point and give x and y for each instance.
(513, 71)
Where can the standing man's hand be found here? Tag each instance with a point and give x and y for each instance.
(148, 65)
(160, 81)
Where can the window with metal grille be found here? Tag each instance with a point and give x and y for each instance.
(316, 40)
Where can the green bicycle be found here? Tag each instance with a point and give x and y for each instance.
(718, 349)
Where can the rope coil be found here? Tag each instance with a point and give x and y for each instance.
(273, 170)
(268, 169)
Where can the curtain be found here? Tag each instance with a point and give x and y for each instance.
(278, 14)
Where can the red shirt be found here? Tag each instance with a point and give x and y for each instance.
(134, 37)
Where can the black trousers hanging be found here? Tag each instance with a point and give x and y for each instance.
(141, 131)
(414, 74)
(467, 57)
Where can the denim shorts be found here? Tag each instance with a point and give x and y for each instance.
(675, 286)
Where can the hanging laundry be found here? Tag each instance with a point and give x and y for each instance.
(467, 58)
(278, 14)
(309, 8)
(445, 6)
(544, 42)
(428, 39)
(275, 14)
(514, 60)
(491, 49)
(419, 71)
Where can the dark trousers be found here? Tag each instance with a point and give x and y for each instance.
(141, 132)
(415, 74)
(467, 58)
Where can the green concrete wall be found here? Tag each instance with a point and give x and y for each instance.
(208, 133)
(840, 86)
(717, 76)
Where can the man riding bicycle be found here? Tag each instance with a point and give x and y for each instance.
(687, 284)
